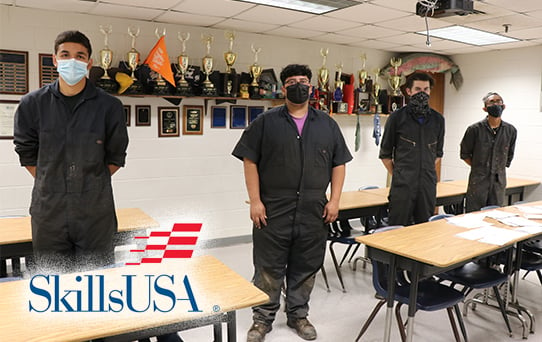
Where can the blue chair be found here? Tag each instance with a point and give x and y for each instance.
(440, 217)
(489, 207)
(432, 296)
(531, 258)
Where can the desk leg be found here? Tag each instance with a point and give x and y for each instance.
(232, 326)
(217, 332)
(392, 271)
(412, 298)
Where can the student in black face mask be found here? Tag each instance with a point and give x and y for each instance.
(411, 147)
(290, 155)
(488, 147)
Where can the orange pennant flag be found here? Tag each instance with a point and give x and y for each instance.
(158, 60)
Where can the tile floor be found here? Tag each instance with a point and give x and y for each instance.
(338, 316)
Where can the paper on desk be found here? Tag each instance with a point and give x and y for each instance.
(533, 216)
(518, 222)
(492, 235)
(530, 229)
(535, 209)
(469, 221)
(498, 214)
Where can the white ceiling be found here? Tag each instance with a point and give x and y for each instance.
(388, 25)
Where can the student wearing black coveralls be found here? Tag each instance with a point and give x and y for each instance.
(411, 147)
(488, 147)
(290, 155)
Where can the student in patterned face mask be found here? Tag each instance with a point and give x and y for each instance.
(488, 148)
(411, 147)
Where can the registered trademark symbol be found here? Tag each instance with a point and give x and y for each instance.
(216, 308)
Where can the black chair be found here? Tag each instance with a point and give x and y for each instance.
(342, 232)
(432, 296)
(476, 276)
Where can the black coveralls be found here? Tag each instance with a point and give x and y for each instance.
(294, 174)
(413, 147)
(490, 153)
(72, 209)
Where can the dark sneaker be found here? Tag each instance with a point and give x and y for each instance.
(257, 332)
(303, 327)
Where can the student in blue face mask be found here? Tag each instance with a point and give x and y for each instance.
(488, 147)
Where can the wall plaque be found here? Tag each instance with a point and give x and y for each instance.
(13, 72)
(48, 73)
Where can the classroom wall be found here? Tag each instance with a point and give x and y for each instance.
(186, 178)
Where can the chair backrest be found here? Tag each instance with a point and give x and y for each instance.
(488, 207)
(380, 269)
(439, 217)
(339, 229)
(367, 187)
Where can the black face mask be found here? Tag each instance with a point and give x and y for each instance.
(419, 103)
(495, 110)
(297, 93)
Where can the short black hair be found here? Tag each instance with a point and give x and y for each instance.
(73, 37)
(419, 76)
(295, 70)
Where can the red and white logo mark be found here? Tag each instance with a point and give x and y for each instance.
(178, 243)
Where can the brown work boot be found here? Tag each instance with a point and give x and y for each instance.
(303, 327)
(257, 332)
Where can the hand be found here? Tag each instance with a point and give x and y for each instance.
(331, 212)
(257, 214)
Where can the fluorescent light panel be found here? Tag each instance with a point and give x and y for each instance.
(468, 35)
(310, 6)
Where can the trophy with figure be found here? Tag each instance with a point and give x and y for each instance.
(338, 105)
(132, 60)
(207, 65)
(255, 72)
(182, 65)
(229, 57)
(106, 59)
(396, 100)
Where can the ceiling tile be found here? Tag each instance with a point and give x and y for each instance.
(182, 18)
(162, 4)
(374, 44)
(370, 32)
(337, 38)
(324, 24)
(408, 6)
(367, 13)
(217, 8)
(245, 26)
(294, 32)
(519, 5)
(273, 15)
(412, 23)
(60, 5)
(125, 11)
(406, 38)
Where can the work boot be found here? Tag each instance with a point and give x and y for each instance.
(257, 332)
(303, 327)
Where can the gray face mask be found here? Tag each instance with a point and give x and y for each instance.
(419, 103)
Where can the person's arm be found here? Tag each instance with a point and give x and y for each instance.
(252, 181)
(388, 164)
(32, 170)
(511, 148)
(467, 146)
(331, 209)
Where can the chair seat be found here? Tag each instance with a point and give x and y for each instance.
(432, 296)
(531, 261)
(474, 276)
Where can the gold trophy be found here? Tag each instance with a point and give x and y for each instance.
(182, 60)
(362, 74)
(229, 56)
(323, 72)
(106, 55)
(338, 105)
(207, 64)
(160, 86)
(395, 79)
(376, 92)
(255, 71)
(133, 55)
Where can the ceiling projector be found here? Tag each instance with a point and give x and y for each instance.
(445, 8)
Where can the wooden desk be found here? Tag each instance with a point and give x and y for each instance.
(514, 186)
(16, 233)
(425, 249)
(218, 291)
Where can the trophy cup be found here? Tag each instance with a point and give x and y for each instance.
(338, 106)
(323, 72)
(182, 85)
(207, 64)
(106, 59)
(376, 93)
(396, 100)
(160, 85)
(362, 74)
(132, 58)
(255, 72)
(361, 93)
(229, 57)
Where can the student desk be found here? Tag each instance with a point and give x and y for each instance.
(218, 292)
(514, 186)
(425, 249)
(16, 233)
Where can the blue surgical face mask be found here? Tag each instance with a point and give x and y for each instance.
(71, 70)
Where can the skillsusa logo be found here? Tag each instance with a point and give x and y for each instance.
(170, 242)
(137, 289)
